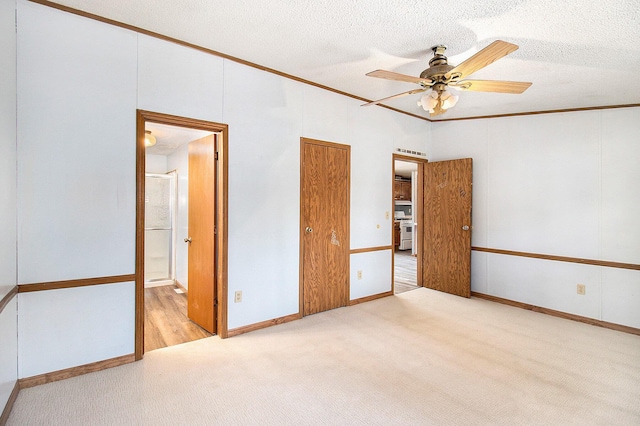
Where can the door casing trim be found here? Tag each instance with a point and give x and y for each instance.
(222, 198)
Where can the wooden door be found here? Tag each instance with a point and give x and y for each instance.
(447, 226)
(397, 190)
(202, 187)
(401, 190)
(324, 233)
(406, 191)
(396, 234)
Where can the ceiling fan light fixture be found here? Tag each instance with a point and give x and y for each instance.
(149, 139)
(424, 101)
(448, 100)
(428, 101)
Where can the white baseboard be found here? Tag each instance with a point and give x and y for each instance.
(158, 283)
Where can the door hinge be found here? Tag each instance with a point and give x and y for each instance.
(215, 230)
(215, 303)
(215, 156)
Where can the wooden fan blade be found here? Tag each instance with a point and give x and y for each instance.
(486, 56)
(390, 75)
(410, 92)
(492, 86)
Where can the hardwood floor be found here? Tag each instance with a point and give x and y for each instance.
(404, 271)
(165, 319)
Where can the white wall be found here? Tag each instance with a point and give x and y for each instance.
(65, 328)
(557, 184)
(76, 185)
(8, 316)
(8, 351)
(264, 192)
(375, 276)
(76, 174)
(176, 80)
(155, 163)
(7, 148)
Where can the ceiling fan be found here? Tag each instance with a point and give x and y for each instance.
(441, 75)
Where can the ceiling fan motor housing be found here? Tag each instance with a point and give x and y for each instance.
(437, 72)
(439, 87)
(438, 65)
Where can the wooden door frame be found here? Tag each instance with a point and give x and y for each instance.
(419, 216)
(304, 141)
(222, 175)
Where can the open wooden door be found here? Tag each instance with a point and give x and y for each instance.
(202, 186)
(446, 237)
(324, 220)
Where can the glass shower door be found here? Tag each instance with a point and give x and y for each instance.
(159, 257)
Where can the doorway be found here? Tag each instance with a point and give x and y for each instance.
(162, 316)
(179, 291)
(407, 216)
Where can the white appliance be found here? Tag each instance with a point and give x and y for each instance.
(406, 233)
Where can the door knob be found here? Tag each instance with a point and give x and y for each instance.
(465, 228)
(309, 230)
(187, 240)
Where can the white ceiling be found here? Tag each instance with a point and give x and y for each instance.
(170, 138)
(404, 168)
(577, 53)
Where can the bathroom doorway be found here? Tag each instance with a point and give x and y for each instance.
(165, 284)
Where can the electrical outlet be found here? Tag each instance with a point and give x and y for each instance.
(359, 275)
(378, 226)
(238, 297)
(581, 289)
(386, 215)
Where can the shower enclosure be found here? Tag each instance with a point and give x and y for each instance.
(159, 229)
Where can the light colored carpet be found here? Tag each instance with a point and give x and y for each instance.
(419, 358)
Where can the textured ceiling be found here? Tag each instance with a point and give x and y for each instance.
(170, 138)
(577, 53)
